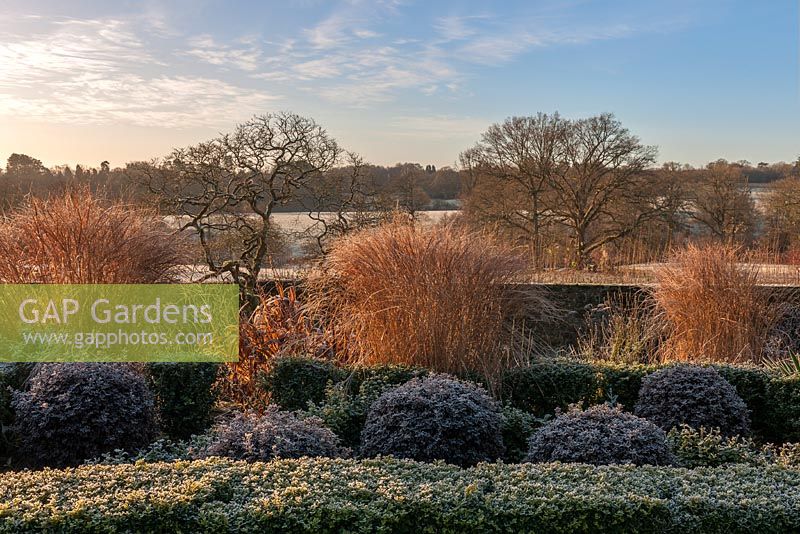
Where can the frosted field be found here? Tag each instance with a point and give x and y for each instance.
(297, 227)
(299, 223)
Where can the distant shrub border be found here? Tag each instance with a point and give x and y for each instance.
(387, 495)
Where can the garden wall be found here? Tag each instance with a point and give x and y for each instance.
(575, 300)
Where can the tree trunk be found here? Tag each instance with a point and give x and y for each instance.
(536, 240)
(580, 248)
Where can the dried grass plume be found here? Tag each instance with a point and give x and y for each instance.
(439, 297)
(81, 238)
(713, 305)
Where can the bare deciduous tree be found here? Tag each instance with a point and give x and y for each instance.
(782, 211)
(723, 205)
(520, 155)
(234, 183)
(587, 176)
(341, 201)
(601, 191)
(404, 189)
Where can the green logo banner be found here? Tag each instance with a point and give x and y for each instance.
(119, 322)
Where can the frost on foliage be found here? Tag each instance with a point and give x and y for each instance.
(435, 418)
(274, 434)
(695, 396)
(600, 435)
(76, 411)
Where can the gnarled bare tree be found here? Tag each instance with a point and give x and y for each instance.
(234, 183)
(341, 201)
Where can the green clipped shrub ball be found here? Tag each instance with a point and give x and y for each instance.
(294, 383)
(518, 425)
(185, 396)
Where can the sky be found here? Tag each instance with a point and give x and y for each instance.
(395, 80)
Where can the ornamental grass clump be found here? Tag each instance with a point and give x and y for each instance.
(273, 434)
(435, 418)
(77, 411)
(713, 307)
(436, 297)
(278, 327)
(626, 328)
(82, 238)
(601, 435)
(695, 396)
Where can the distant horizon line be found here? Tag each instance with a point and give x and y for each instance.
(453, 165)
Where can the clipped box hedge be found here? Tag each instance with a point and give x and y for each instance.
(386, 495)
(185, 395)
(541, 388)
(294, 383)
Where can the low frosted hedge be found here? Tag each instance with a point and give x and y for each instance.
(386, 495)
(541, 388)
(295, 383)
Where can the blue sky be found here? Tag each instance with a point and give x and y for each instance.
(396, 80)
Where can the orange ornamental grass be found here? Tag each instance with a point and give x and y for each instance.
(278, 326)
(438, 297)
(81, 238)
(713, 305)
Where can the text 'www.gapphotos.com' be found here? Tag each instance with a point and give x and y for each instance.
(106, 340)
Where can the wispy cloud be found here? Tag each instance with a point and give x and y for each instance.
(245, 56)
(141, 67)
(178, 102)
(341, 54)
(488, 40)
(456, 28)
(365, 34)
(343, 61)
(70, 47)
(86, 71)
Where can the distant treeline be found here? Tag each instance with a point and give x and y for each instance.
(410, 186)
(407, 184)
